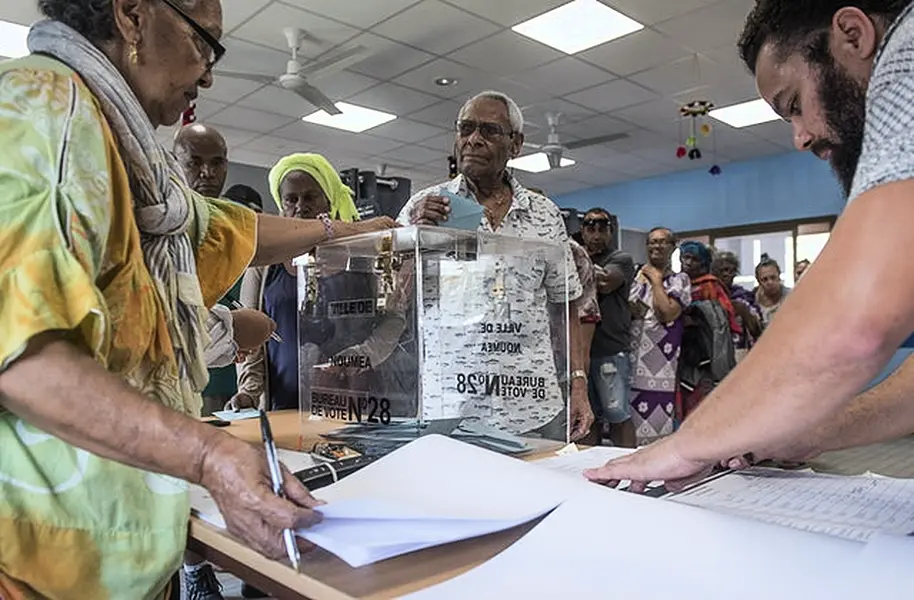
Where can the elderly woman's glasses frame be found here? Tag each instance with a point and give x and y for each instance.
(210, 40)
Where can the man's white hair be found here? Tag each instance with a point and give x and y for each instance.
(515, 116)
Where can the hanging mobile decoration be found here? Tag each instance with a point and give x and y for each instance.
(694, 114)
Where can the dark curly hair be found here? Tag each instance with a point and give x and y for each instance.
(803, 24)
(92, 18)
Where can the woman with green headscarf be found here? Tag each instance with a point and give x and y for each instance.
(306, 186)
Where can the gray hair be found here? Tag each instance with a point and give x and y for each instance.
(515, 115)
(724, 258)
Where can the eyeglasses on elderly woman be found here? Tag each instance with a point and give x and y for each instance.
(216, 49)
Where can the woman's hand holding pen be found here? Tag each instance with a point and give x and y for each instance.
(237, 476)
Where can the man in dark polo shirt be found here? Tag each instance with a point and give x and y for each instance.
(610, 363)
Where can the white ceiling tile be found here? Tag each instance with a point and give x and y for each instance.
(593, 127)
(207, 108)
(681, 76)
(229, 90)
(661, 114)
(394, 99)
(406, 131)
(257, 159)
(248, 57)
(236, 12)
(469, 80)
(435, 27)
(649, 12)
(779, 132)
(443, 114)
(563, 76)
(636, 52)
(358, 13)
(645, 138)
(505, 54)
(250, 120)
(508, 12)
(612, 96)
(273, 145)
(276, 100)
(536, 123)
(443, 143)
(387, 59)
(319, 34)
(411, 155)
(317, 138)
(23, 13)
(627, 163)
(236, 137)
(343, 84)
(710, 27)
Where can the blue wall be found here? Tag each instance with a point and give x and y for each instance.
(779, 188)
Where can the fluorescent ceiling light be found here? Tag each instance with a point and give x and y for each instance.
(578, 25)
(746, 114)
(353, 118)
(536, 163)
(12, 40)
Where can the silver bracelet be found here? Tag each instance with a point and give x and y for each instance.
(328, 224)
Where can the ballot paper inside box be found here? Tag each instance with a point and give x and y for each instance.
(429, 330)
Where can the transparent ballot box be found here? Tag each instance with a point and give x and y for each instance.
(430, 330)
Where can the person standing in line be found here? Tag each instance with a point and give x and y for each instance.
(657, 299)
(771, 292)
(726, 267)
(610, 355)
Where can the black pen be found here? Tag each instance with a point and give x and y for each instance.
(276, 478)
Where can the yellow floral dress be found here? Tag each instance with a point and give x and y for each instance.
(73, 525)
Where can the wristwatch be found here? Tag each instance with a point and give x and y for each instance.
(579, 374)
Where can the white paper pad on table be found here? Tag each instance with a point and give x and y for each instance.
(622, 545)
(240, 415)
(855, 508)
(430, 492)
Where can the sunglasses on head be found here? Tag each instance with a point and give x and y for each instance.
(601, 224)
(216, 48)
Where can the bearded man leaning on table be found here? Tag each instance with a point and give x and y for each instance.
(108, 264)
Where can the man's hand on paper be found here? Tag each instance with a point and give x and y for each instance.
(236, 475)
(581, 414)
(661, 461)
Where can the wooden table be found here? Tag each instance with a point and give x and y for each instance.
(325, 577)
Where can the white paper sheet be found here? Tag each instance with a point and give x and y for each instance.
(854, 508)
(439, 490)
(619, 545)
(574, 463)
(240, 415)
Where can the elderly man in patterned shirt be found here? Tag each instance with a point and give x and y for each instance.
(489, 132)
(842, 73)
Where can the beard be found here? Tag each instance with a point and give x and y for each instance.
(843, 101)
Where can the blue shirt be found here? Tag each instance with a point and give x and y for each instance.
(280, 297)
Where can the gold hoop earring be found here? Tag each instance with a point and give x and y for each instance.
(134, 54)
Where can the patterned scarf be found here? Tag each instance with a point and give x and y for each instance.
(160, 202)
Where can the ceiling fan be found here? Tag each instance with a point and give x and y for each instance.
(555, 150)
(295, 79)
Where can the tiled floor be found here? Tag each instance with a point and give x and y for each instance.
(894, 459)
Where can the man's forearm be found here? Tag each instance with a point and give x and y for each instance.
(883, 413)
(65, 393)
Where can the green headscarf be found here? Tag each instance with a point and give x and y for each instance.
(342, 208)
